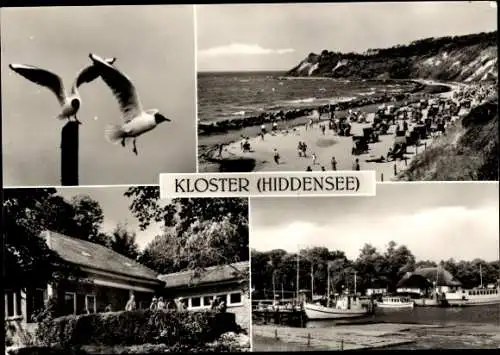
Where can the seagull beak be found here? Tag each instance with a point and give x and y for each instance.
(160, 118)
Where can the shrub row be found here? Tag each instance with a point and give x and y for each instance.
(137, 327)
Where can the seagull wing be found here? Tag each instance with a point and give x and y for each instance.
(42, 77)
(88, 74)
(122, 88)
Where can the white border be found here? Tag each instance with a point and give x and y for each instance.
(195, 88)
(250, 323)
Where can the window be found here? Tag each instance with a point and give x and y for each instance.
(207, 300)
(90, 305)
(235, 298)
(195, 302)
(69, 303)
(13, 304)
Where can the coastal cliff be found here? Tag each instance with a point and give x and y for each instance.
(460, 58)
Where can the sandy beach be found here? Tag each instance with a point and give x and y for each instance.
(324, 145)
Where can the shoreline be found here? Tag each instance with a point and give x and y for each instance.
(208, 143)
(226, 125)
(376, 336)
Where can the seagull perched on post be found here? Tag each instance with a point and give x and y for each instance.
(137, 120)
(70, 103)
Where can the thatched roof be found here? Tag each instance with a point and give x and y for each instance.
(425, 277)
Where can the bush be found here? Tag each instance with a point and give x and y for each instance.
(138, 327)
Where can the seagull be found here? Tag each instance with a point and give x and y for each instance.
(137, 120)
(70, 104)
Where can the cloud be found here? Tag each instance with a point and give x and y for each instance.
(435, 234)
(241, 49)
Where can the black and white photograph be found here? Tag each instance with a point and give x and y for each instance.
(117, 270)
(97, 95)
(407, 89)
(416, 267)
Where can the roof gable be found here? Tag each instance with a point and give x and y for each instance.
(96, 256)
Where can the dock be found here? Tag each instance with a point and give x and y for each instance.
(279, 317)
(346, 337)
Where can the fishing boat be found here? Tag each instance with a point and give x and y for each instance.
(346, 306)
(395, 302)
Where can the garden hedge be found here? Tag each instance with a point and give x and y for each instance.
(137, 327)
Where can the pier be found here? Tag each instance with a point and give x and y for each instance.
(279, 317)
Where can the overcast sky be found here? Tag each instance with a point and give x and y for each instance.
(279, 36)
(435, 221)
(115, 208)
(154, 46)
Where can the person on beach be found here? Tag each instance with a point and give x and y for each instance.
(323, 128)
(263, 130)
(299, 148)
(275, 126)
(334, 164)
(309, 169)
(313, 156)
(304, 149)
(276, 156)
(356, 166)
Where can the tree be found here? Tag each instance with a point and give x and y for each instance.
(28, 260)
(199, 232)
(87, 219)
(123, 241)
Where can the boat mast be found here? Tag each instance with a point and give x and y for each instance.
(328, 284)
(297, 275)
(355, 272)
(481, 274)
(312, 280)
(274, 288)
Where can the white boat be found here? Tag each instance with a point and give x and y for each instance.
(347, 306)
(395, 302)
(474, 297)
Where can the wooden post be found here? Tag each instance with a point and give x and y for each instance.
(69, 154)
(308, 339)
(382, 177)
(341, 344)
(425, 145)
(416, 148)
(276, 333)
(395, 169)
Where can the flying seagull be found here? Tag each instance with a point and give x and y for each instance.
(137, 120)
(70, 103)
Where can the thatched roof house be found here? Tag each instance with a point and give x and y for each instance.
(426, 277)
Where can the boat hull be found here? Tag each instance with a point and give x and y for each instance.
(320, 312)
(395, 306)
(424, 302)
(472, 302)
